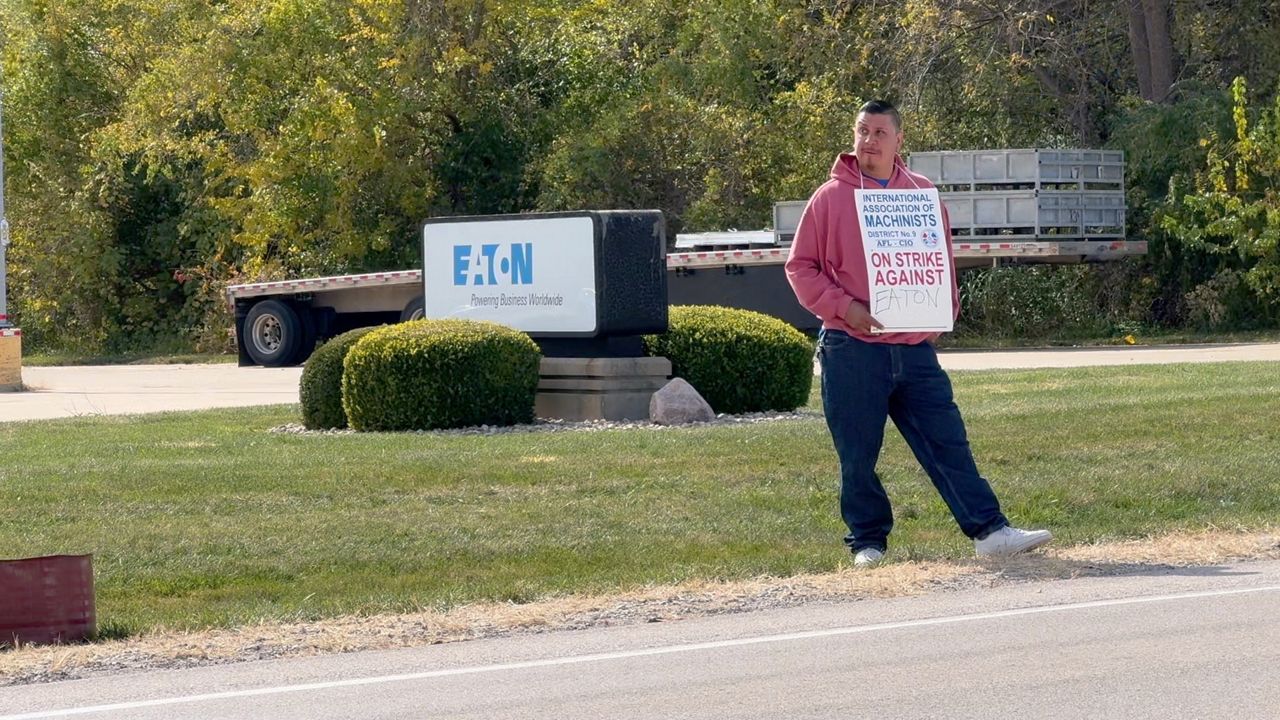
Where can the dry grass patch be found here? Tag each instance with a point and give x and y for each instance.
(537, 459)
(1199, 548)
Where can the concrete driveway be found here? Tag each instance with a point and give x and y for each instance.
(73, 391)
(128, 389)
(1124, 355)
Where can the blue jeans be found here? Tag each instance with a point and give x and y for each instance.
(863, 384)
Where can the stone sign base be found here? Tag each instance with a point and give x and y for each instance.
(10, 359)
(599, 388)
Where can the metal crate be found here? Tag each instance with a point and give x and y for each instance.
(1030, 169)
(1029, 214)
(1029, 193)
(993, 194)
(786, 218)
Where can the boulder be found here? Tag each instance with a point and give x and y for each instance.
(678, 403)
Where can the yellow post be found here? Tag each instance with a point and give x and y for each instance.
(10, 359)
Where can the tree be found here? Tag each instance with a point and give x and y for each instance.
(1151, 43)
(60, 87)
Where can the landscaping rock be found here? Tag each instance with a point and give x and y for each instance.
(678, 403)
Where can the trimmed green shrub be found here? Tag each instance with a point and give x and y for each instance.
(320, 389)
(433, 374)
(739, 360)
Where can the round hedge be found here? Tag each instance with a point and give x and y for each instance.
(738, 360)
(320, 389)
(433, 374)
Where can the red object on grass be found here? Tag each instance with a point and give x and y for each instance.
(46, 599)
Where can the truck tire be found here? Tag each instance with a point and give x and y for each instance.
(413, 311)
(309, 333)
(273, 333)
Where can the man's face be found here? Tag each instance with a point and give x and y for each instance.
(876, 140)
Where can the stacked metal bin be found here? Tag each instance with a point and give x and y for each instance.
(1005, 206)
(1029, 194)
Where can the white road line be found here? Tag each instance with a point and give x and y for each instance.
(625, 654)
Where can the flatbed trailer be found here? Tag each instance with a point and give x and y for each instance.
(1006, 206)
(278, 323)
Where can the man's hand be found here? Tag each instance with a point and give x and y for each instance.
(932, 338)
(859, 318)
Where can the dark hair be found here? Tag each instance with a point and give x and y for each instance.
(882, 107)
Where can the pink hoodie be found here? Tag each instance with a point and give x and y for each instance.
(827, 266)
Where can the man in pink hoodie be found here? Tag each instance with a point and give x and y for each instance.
(870, 376)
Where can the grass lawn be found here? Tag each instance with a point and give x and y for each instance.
(1149, 336)
(46, 359)
(205, 519)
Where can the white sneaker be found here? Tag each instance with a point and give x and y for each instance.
(1010, 541)
(866, 557)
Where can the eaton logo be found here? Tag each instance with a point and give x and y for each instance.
(493, 264)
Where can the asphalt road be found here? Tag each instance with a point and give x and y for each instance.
(127, 389)
(1184, 643)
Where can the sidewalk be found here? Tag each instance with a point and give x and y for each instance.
(1120, 355)
(128, 389)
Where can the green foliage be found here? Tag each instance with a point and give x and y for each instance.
(166, 149)
(1162, 147)
(1225, 301)
(57, 85)
(161, 149)
(1228, 214)
(320, 389)
(1031, 301)
(430, 374)
(1163, 141)
(738, 360)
